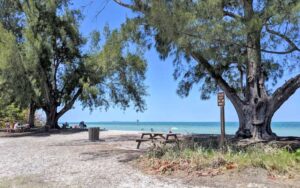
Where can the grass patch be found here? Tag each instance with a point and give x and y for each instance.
(208, 161)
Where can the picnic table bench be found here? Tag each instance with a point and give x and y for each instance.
(154, 136)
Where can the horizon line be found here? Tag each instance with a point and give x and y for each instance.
(168, 121)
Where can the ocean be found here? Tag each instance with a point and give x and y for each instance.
(280, 128)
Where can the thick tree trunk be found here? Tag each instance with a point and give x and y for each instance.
(255, 122)
(256, 113)
(31, 115)
(52, 118)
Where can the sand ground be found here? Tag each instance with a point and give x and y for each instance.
(70, 160)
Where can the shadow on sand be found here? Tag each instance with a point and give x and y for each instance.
(41, 132)
(122, 155)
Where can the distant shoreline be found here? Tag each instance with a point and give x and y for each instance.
(280, 128)
(92, 122)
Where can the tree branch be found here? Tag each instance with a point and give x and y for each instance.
(56, 65)
(293, 46)
(284, 92)
(125, 5)
(70, 104)
(232, 15)
(279, 52)
(229, 91)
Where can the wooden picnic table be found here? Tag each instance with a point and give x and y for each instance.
(154, 136)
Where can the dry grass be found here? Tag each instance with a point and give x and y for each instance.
(207, 161)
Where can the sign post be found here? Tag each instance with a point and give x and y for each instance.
(221, 103)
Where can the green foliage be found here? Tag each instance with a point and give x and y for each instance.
(11, 17)
(52, 50)
(297, 154)
(15, 85)
(218, 30)
(47, 66)
(116, 74)
(13, 80)
(12, 113)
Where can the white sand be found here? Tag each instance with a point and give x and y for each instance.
(71, 161)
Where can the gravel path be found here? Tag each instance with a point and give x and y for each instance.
(71, 161)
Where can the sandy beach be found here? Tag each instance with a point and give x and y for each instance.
(70, 160)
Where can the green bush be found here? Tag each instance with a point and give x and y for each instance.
(12, 113)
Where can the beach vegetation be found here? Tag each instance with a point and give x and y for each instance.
(12, 113)
(210, 161)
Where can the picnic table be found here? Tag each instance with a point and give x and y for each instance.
(174, 135)
(154, 136)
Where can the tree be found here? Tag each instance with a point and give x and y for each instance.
(60, 72)
(12, 69)
(15, 87)
(239, 46)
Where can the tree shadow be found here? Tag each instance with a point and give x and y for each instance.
(40, 132)
(211, 141)
(288, 138)
(120, 138)
(79, 142)
(122, 155)
(208, 141)
(290, 142)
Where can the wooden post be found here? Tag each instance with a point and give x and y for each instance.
(94, 133)
(222, 126)
(221, 103)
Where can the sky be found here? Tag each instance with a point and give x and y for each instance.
(163, 104)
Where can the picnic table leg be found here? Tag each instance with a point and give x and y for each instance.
(138, 145)
(176, 137)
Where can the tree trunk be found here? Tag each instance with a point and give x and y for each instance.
(255, 122)
(31, 115)
(256, 113)
(52, 118)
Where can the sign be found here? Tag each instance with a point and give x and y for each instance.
(221, 103)
(221, 99)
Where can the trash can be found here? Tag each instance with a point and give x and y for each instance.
(94, 133)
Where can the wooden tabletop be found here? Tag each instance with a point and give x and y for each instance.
(148, 133)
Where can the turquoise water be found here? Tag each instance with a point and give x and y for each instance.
(280, 128)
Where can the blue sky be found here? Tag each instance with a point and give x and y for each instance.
(163, 104)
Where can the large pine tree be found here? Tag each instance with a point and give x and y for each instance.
(239, 46)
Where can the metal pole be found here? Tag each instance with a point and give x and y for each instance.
(222, 141)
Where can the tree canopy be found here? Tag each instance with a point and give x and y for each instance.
(51, 59)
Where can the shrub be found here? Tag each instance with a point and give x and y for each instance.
(279, 160)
